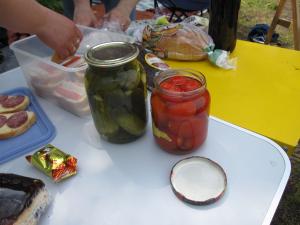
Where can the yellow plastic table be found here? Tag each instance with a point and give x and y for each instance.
(262, 94)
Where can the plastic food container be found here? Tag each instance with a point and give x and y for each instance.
(180, 109)
(60, 84)
(115, 83)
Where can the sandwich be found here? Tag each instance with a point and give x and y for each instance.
(16, 123)
(13, 103)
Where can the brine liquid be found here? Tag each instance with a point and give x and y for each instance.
(223, 23)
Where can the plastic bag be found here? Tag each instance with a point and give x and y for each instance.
(184, 41)
(101, 36)
(177, 41)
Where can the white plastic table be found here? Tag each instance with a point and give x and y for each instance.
(129, 184)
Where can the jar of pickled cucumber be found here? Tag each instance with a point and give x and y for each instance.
(180, 105)
(116, 88)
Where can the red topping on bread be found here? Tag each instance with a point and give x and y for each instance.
(2, 120)
(17, 119)
(3, 98)
(13, 101)
(16, 123)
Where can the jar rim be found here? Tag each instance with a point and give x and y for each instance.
(166, 74)
(126, 52)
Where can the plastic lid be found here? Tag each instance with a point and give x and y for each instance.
(198, 180)
(40, 134)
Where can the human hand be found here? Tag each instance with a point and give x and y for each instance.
(84, 15)
(60, 34)
(119, 16)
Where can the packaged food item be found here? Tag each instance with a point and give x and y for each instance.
(152, 65)
(180, 106)
(54, 162)
(184, 41)
(16, 123)
(116, 88)
(22, 199)
(177, 41)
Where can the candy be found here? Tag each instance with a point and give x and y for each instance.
(54, 162)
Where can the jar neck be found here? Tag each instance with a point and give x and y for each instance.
(164, 75)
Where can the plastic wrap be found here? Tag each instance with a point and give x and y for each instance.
(181, 41)
(185, 41)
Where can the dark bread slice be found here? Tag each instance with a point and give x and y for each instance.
(23, 199)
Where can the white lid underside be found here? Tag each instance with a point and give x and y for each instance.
(198, 179)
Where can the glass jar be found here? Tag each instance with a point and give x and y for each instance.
(180, 106)
(116, 88)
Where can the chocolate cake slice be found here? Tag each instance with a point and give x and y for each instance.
(22, 199)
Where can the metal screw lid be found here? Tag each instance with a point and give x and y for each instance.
(111, 54)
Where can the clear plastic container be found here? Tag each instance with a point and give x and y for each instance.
(60, 84)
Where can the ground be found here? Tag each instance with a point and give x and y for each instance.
(262, 11)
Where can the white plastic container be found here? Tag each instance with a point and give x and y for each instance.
(59, 84)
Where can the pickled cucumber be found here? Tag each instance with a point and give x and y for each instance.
(103, 121)
(129, 121)
(129, 79)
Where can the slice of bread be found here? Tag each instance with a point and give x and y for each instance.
(6, 107)
(8, 130)
(23, 199)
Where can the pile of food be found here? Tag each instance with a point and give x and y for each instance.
(52, 84)
(14, 120)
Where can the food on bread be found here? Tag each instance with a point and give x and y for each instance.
(181, 41)
(14, 124)
(22, 199)
(56, 59)
(13, 103)
(72, 97)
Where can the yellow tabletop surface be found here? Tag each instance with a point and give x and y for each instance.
(262, 94)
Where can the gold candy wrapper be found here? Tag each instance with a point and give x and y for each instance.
(54, 162)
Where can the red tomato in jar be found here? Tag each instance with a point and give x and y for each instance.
(187, 108)
(158, 110)
(167, 145)
(199, 127)
(186, 102)
(203, 102)
(173, 126)
(185, 144)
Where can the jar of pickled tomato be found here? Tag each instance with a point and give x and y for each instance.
(180, 105)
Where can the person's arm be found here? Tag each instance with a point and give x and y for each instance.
(121, 13)
(83, 13)
(55, 30)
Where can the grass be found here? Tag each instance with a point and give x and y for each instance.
(262, 11)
